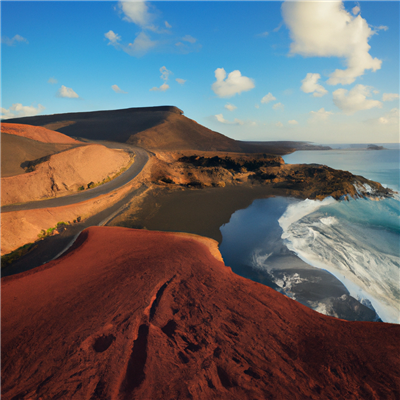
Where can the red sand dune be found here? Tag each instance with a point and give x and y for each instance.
(36, 133)
(133, 314)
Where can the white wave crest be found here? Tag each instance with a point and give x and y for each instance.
(366, 260)
(297, 211)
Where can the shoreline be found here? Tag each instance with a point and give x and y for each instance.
(198, 211)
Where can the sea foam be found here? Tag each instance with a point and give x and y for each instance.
(357, 241)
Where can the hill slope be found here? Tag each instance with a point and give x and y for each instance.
(36, 133)
(151, 315)
(63, 173)
(161, 128)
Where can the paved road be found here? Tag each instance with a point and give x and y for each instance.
(141, 158)
(51, 247)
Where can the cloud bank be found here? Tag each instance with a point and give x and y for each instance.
(326, 29)
(17, 110)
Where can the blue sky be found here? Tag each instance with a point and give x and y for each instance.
(265, 70)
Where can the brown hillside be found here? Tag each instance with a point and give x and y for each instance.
(36, 133)
(134, 314)
(63, 173)
(177, 132)
(162, 128)
(16, 151)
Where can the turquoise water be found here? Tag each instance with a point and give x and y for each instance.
(356, 241)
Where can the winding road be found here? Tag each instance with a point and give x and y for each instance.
(141, 158)
(53, 246)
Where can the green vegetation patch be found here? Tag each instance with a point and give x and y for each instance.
(9, 258)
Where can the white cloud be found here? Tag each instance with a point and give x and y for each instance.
(355, 99)
(113, 38)
(52, 81)
(267, 98)
(140, 46)
(389, 96)
(230, 107)
(382, 28)
(167, 25)
(11, 42)
(162, 88)
(180, 81)
(292, 122)
(256, 106)
(326, 29)
(165, 73)
(264, 34)
(238, 121)
(278, 27)
(117, 89)
(279, 124)
(235, 83)
(390, 118)
(18, 110)
(355, 10)
(319, 116)
(67, 92)
(278, 106)
(220, 118)
(310, 85)
(189, 39)
(136, 12)
(375, 91)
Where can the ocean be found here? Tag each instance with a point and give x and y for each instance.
(340, 258)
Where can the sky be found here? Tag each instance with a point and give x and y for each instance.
(325, 72)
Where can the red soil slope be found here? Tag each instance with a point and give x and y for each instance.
(36, 133)
(133, 314)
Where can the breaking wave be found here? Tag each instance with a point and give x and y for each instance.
(356, 240)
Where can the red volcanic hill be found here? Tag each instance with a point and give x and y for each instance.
(154, 128)
(36, 133)
(149, 315)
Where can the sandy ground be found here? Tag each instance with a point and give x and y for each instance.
(134, 314)
(198, 211)
(64, 173)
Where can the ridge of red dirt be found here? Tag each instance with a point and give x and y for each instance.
(36, 133)
(153, 315)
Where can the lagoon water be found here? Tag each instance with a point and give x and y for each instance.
(340, 258)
